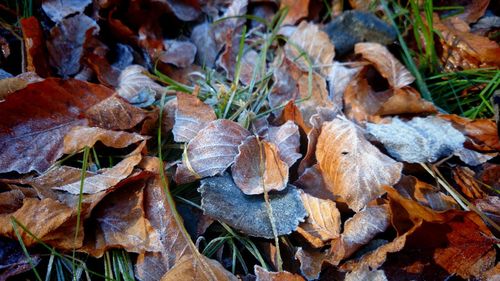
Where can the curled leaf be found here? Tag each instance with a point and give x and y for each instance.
(191, 116)
(287, 138)
(224, 201)
(136, 87)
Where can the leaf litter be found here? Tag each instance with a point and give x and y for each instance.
(243, 140)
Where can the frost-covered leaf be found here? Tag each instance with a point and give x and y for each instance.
(212, 151)
(323, 220)
(106, 177)
(187, 269)
(178, 53)
(359, 230)
(287, 138)
(315, 43)
(136, 87)
(263, 275)
(362, 274)
(296, 10)
(353, 168)
(339, 77)
(56, 10)
(224, 201)
(388, 66)
(114, 113)
(310, 263)
(191, 116)
(258, 167)
(483, 133)
(425, 194)
(418, 140)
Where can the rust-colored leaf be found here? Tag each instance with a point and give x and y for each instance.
(186, 269)
(212, 151)
(425, 194)
(310, 263)
(36, 50)
(292, 113)
(191, 116)
(264, 275)
(323, 220)
(353, 168)
(482, 133)
(54, 107)
(297, 10)
(258, 167)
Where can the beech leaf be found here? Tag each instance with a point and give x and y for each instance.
(59, 9)
(191, 116)
(353, 168)
(258, 167)
(264, 275)
(136, 87)
(187, 269)
(418, 140)
(224, 201)
(287, 138)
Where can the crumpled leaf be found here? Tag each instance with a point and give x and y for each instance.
(315, 43)
(13, 84)
(387, 65)
(352, 167)
(292, 113)
(106, 177)
(57, 10)
(463, 49)
(52, 213)
(287, 138)
(263, 275)
(119, 221)
(136, 87)
(224, 201)
(490, 206)
(55, 107)
(418, 140)
(178, 53)
(66, 43)
(79, 137)
(425, 194)
(310, 263)
(483, 133)
(258, 167)
(323, 220)
(13, 261)
(191, 116)
(359, 230)
(297, 10)
(339, 77)
(186, 269)
(468, 184)
(212, 151)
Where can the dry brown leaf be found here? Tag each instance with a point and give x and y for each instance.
(52, 213)
(323, 220)
(119, 221)
(191, 116)
(186, 269)
(168, 118)
(315, 43)
(107, 177)
(80, 137)
(310, 263)
(339, 77)
(258, 167)
(136, 87)
(425, 194)
(365, 273)
(387, 65)
(313, 183)
(263, 275)
(353, 168)
(359, 230)
(212, 151)
(10, 201)
(463, 49)
(287, 139)
(292, 113)
(468, 184)
(482, 132)
(491, 175)
(178, 53)
(36, 49)
(297, 10)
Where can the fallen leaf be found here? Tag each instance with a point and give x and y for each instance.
(339, 77)
(186, 269)
(191, 116)
(490, 206)
(106, 177)
(468, 184)
(387, 65)
(313, 183)
(136, 87)
(54, 107)
(13, 261)
(471, 12)
(315, 43)
(178, 53)
(204, 39)
(358, 231)
(36, 50)
(287, 138)
(224, 201)
(263, 275)
(292, 113)
(10, 201)
(121, 222)
(184, 10)
(79, 137)
(258, 167)
(247, 68)
(473, 158)
(425, 194)
(310, 263)
(66, 40)
(491, 175)
(352, 167)
(51, 212)
(211, 151)
(296, 10)
(168, 118)
(365, 274)
(57, 10)
(323, 220)
(482, 133)
(463, 49)
(418, 140)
